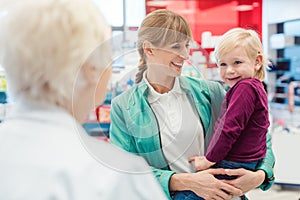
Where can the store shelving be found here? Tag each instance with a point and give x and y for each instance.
(284, 51)
(284, 93)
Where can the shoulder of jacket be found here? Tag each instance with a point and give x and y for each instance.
(130, 96)
(201, 85)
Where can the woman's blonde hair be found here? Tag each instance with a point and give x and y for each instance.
(248, 40)
(160, 28)
(44, 43)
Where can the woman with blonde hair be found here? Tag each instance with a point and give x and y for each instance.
(167, 118)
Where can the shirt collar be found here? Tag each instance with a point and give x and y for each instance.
(155, 96)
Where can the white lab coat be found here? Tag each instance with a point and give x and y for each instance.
(46, 154)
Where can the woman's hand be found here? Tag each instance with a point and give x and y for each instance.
(204, 184)
(246, 180)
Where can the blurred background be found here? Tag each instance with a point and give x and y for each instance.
(277, 22)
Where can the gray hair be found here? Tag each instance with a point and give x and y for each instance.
(44, 43)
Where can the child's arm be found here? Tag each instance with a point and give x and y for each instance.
(201, 163)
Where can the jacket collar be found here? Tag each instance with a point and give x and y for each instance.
(188, 88)
(155, 96)
(182, 82)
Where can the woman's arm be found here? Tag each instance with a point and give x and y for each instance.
(163, 177)
(204, 184)
(267, 165)
(247, 180)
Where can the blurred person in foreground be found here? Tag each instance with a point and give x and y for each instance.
(57, 58)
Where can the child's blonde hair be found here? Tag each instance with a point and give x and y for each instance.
(247, 39)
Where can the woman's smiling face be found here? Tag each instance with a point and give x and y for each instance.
(169, 60)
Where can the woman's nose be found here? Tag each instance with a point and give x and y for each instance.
(185, 53)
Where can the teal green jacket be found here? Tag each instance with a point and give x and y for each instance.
(134, 126)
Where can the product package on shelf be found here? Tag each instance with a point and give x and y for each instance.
(3, 98)
(103, 114)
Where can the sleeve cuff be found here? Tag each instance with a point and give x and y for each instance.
(164, 180)
(269, 179)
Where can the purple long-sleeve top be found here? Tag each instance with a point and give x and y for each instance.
(240, 131)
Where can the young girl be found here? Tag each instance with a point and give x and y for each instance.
(239, 139)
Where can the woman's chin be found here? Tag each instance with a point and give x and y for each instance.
(176, 71)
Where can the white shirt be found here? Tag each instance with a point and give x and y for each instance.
(46, 154)
(180, 129)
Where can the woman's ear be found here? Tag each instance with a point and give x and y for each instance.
(147, 47)
(102, 83)
(258, 62)
(90, 73)
(96, 80)
(90, 89)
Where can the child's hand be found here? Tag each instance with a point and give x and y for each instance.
(201, 163)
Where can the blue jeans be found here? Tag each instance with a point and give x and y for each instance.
(189, 195)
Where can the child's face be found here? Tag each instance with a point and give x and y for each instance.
(236, 65)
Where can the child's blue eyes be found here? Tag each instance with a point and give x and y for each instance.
(235, 63)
